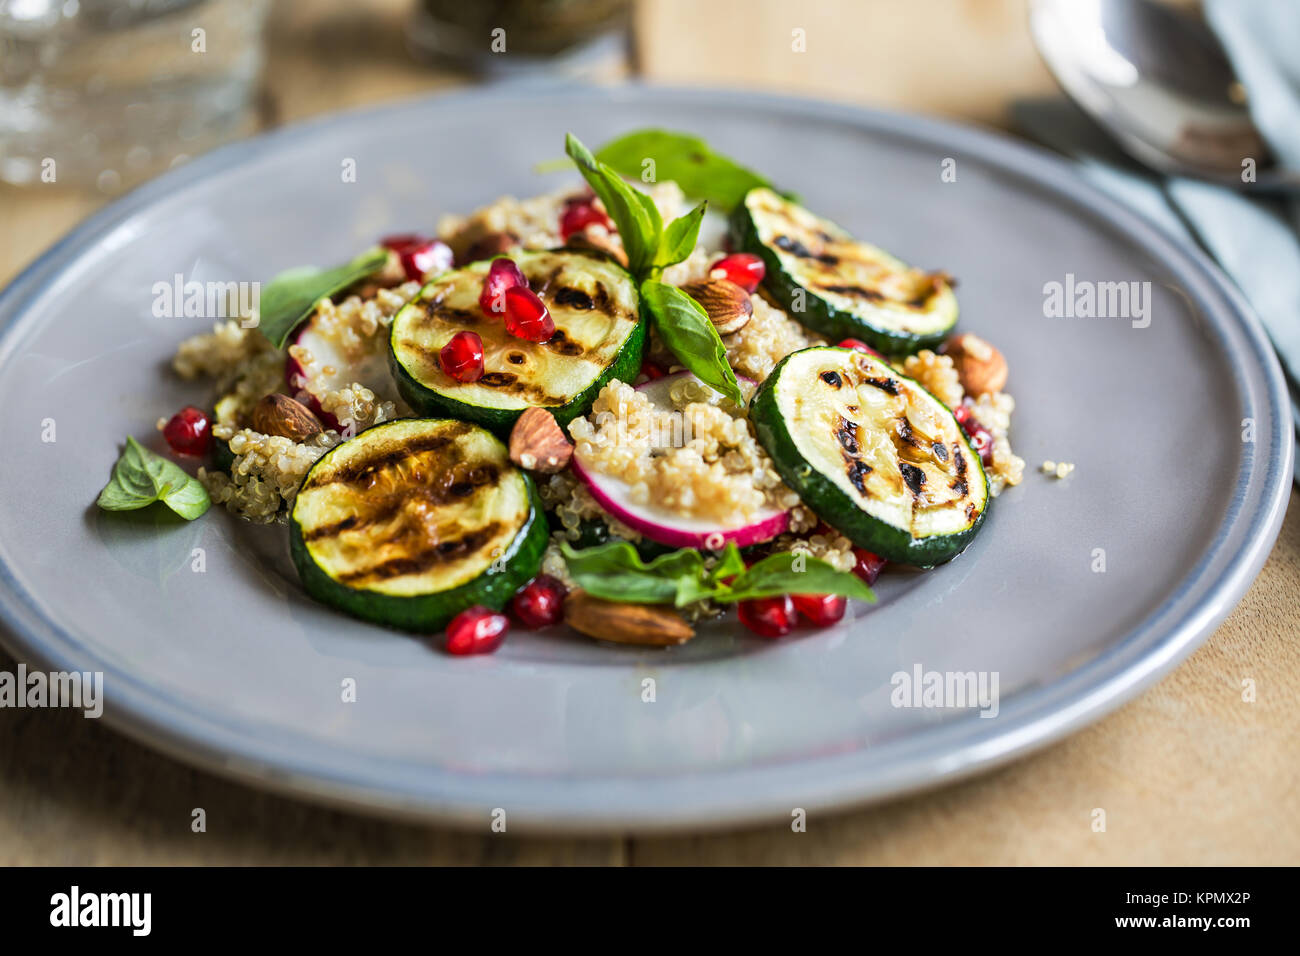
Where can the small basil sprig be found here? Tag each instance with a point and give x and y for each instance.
(685, 159)
(680, 321)
(691, 336)
(615, 572)
(290, 297)
(142, 477)
(634, 213)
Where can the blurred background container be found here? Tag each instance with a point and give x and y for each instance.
(110, 92)
(115, 91)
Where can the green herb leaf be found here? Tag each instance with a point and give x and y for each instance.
(685, 328)
(730, 564)
(615, 572)
(636, 216)
(685, 159)
(789, 573)
(142, 477)
(679, 239)
(290, 297)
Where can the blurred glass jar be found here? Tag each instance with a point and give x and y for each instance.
(504, 38)
(107, 93)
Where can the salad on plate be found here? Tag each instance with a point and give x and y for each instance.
(625, 407)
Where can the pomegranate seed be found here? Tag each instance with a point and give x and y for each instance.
(540, 602)
(420, 255)
(476, 630)
(743, 268)
(981, 439)
(462, 357)
(189, 431)
(860, 345)
(868, 566)
(820, 610)
(650, 371)
(579, 214)
(527, 316)
(770, 616)
(503, 274)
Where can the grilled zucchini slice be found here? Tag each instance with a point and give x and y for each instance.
(598, 336)
(873, 454)
(415, 520)
(838, 285)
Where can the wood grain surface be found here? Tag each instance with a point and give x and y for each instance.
(1188, 773)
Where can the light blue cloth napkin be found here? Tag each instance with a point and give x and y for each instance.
(1255, 239)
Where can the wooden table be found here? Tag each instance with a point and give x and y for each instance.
(1187, 773)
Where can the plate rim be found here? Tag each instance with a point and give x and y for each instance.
(1034, 718)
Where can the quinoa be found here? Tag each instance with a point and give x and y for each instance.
(357, 407)
(358, 328)
(830, 546)
(573, 504)
(709, 466)
(266, 473)
(769, 336)
(993, 411)
(221, 353)
(936, 374)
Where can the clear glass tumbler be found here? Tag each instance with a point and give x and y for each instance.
(106, 93)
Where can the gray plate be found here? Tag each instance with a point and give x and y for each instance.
(235, 670)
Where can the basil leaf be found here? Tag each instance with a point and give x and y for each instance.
(781, 574)
(290, 297)
(679, 239)
(685, 159)
(141, 477)
(615, 572)
(636, 216)
(731, 563)
(685, 328)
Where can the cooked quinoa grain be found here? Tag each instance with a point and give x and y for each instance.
(936, 374)
(769, 336)
(266, 472)
(697, 459)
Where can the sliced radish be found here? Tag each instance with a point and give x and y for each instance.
(665, 527)
(321, 360)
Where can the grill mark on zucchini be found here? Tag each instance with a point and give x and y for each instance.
(857, 472)
(355, 471)
(574, 299)
(884, 384)
(831, 378)
(920, 301)
(423, 560)
(562, 344)
(847, 434)
(913, 477)
(797, 248)
(509, 382)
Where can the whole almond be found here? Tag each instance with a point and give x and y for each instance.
(281, 415)
(597, 239)
(980, 366)
(537, 442)
(648, 624)
(491, 245)
(728, 305)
